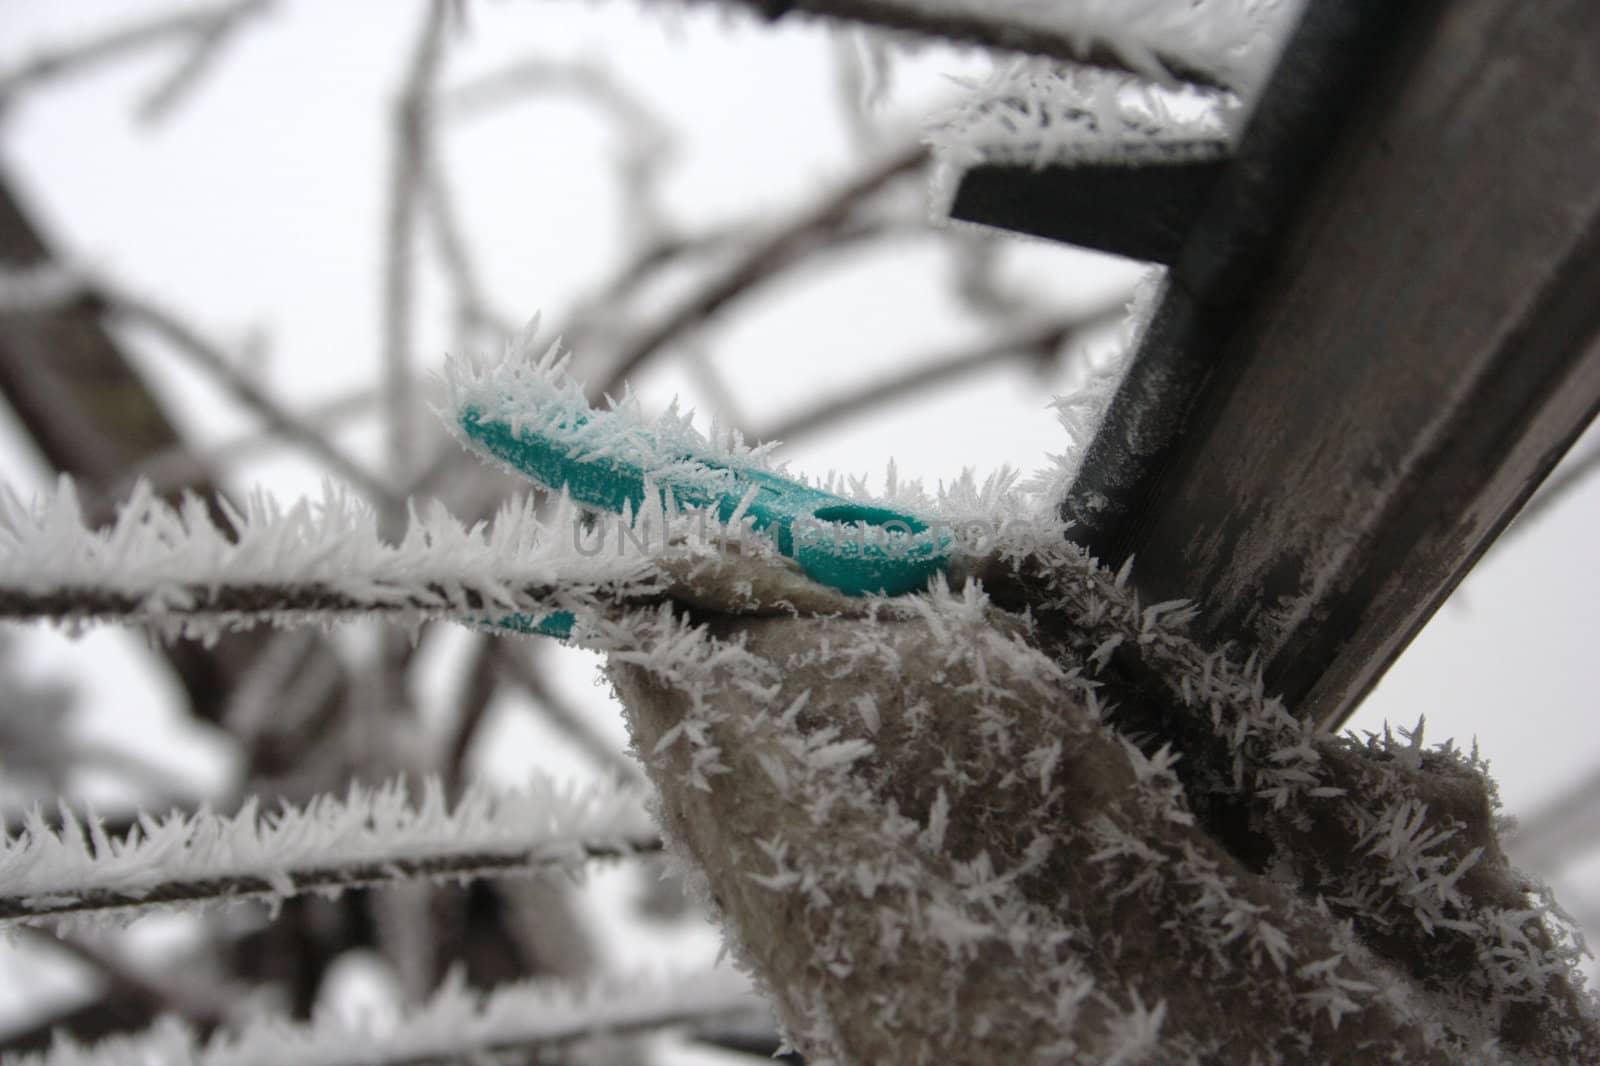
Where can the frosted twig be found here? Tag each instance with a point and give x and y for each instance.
(204, 30)
(370, 837)
(410, 154)
(527, 1020)
(201, 352)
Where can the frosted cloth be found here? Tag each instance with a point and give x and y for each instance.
(930, 839)
(928, 843)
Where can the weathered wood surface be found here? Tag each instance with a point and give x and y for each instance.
(1144, 212)
(1378, 396)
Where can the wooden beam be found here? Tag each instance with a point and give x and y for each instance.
(1142, 212)
(1344, 401)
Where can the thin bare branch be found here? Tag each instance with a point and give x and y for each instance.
(473, 311)
(201, 53)
(175, 468)
(511, 660)
(1560, 485)
(204, 30)
(196, 1004)
(646, 140)
(710, 379)
(410, 153)
(1041, 341)
(761, 258)
(1561, 832)
(188, 342)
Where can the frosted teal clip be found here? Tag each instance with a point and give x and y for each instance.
(838, 542)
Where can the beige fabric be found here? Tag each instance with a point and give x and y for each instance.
(928, 848)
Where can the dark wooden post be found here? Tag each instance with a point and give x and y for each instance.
(1382, 331)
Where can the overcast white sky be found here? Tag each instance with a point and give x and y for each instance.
(259, 205)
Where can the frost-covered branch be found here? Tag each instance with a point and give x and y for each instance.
(1207, 43)
(526, 1020)
(370, 837)
(189, 344)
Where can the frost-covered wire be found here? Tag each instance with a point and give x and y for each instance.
(175, 568)
(371, 836)
(456, 1024)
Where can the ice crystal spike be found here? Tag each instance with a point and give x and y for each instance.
(536, 423)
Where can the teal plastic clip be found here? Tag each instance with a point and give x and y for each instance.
(838, 542)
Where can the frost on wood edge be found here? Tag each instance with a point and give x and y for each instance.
(1039, 113)
(1224, 38)
(456, 1024)
(1032, 114)
(1212, 41)
(373, 835)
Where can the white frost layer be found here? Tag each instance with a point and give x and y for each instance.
(1220, 38)
(456, 1025)
(175, 560)
(1038, 113)
(554, 824)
